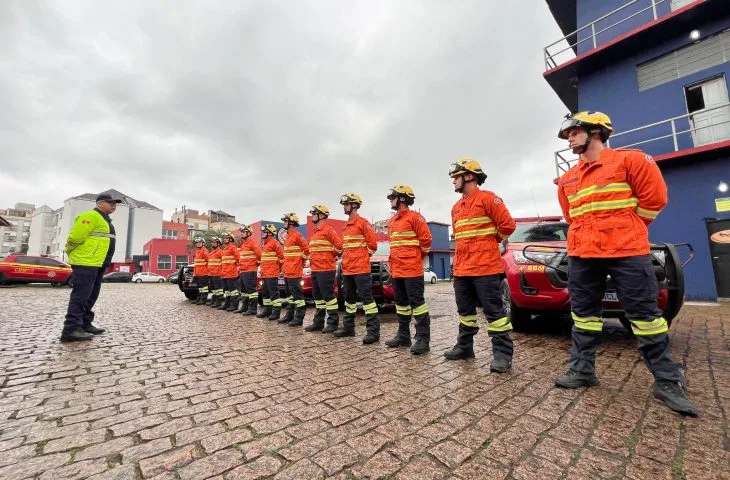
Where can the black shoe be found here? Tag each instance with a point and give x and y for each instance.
(573, 379)
(264, 313)
(233, 306)
(420, 347)
(77, 335)
(296, 323)
(459, 353)
(500, 365)
(398, 341)
(93, 330)
(275, 314)
(313, 327)
(344, 332)
(674, 395)
(370, 338)
(329, 329)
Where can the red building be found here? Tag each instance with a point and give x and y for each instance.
(168, 253)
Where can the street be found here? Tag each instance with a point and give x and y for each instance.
(178, 391)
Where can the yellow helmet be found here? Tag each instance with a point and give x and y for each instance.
(246, 228)
(350, 198)
(468, 165)
(320, 208)
(589, 120)
(291, 217)
(215, 238)
(402, 191)
(199, 239)
(269, 228)
(228, 235)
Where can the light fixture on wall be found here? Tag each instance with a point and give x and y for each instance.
(694, 35)
(722, 188)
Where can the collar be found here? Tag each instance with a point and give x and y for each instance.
(605, 156)
(104, 215)
(355, 218)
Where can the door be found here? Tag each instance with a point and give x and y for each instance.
(719, 233)
(708, 123)
(26, 268)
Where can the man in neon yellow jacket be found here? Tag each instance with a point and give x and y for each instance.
(90, 247)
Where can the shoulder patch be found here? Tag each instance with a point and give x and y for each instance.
(85, 222)
(497, 201)
(649, 158)
(421, 218)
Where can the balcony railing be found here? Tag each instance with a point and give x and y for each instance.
(670, 135)
(587, 38)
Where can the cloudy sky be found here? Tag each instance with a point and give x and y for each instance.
(262, 107)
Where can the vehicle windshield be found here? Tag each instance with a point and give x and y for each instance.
(383, 249)
(540, 232)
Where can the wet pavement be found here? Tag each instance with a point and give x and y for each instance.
(178, 391)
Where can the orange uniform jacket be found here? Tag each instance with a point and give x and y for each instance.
(479, 221)
(609, 203)
(324, 247)
(410, 241)
(229, 261)
(249, 256)
(296, 250)
(201, 262)
(358, 245)
(214, 263)
(272, 256)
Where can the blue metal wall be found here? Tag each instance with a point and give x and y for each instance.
(692, 194)
(440, 234)
(440, 263)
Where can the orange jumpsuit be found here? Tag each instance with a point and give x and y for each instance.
(410, 242)
(296, 250)
(201, 262)
(359, 244)
(249, 256)
(324, 248)
(272, 257)
(229, 261)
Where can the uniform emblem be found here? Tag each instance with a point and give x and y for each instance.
(51, 274)
(420, 217)
(497, 201)
(84, 222)
(649, 158)
(281, 235)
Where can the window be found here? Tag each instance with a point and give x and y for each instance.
(164, 262)
(47, 262)
(169, 234)
(180, 261)
(27, 260)
(540, 232)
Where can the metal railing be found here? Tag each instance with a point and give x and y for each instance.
(550, 56)
(563, 164)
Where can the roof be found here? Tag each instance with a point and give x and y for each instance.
(117, 195)
(565, 14)
(4, 223)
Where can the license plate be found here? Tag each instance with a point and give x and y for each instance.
(610, 297)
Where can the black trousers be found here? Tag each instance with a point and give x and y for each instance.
(248, 285)
(216, 285)
(295, 297)
(230, 287)
(359, 286)
(487, 289)
(86, 287)
(270, 293)
(202, 282)
(409, 301)
(323, 290)
(637, 289)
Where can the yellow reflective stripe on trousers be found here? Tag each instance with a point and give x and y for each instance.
(350, 307)
(332, 305)
(611, 187)
(649, 327)
(370, 308)
(420, 310)
(644, 213)
(468, 320)
(500, 325)
(299, 303)
(276, 303)
(476, 233)
(267, 302)
(403, 310)
(605, 205)
(591, 324)
(253, 295)
(472, 221)
(319, 303)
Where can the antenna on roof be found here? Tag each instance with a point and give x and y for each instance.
(534, 204)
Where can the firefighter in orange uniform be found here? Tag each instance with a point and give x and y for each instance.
(200, 270)
(480, 221)
(296, 251)
(410, 242)
(608, 198)
(214, 273)
(229, 273)
(358, 245)
(272, 258)
(248, 262)
(324, 248)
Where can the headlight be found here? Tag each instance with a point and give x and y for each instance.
(261, 283)
(301, 283)
(660, 256)
(540, 257)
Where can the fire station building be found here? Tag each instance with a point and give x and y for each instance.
(659, 69)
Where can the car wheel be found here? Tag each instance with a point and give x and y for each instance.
(162, 280)
(191, 294)
(433, 280)
(139, 280)
(519, 317)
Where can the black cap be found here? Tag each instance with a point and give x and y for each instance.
(105, 197)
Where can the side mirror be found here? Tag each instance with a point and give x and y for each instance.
(503, 246)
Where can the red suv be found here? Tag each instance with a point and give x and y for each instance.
(536, 275)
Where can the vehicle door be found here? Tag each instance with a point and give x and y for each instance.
(25, 268)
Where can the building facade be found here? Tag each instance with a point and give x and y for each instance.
(14, 237)
(196, 222)
(660, 70)
(41, 231)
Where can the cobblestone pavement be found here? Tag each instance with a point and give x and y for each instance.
(178, 391)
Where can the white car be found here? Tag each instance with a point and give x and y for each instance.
(429, 276)
(147, 277)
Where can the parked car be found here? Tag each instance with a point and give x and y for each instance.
(19, 268)
(147, 277)
(536, 279)
(429, 276)
(174, 276)
(186, 284)
(117, 277)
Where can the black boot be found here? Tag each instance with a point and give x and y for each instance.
(233, 304)
(298, 319)
(275, 314)
(219, 300)
(75, 335)
(202, 298)
(573, 379)
(265, 312)
(252, 304)
(464, 347)
(348, 327)
(372, 329)
(423, 334)
(225, 303)
(403, 336)
(289, 314)
(674, 396)
(333, 321)
(317, 321)
(502, 350)
(244, 304)
(211, 301)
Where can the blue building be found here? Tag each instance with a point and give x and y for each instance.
(439, 258)
(659, 69)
